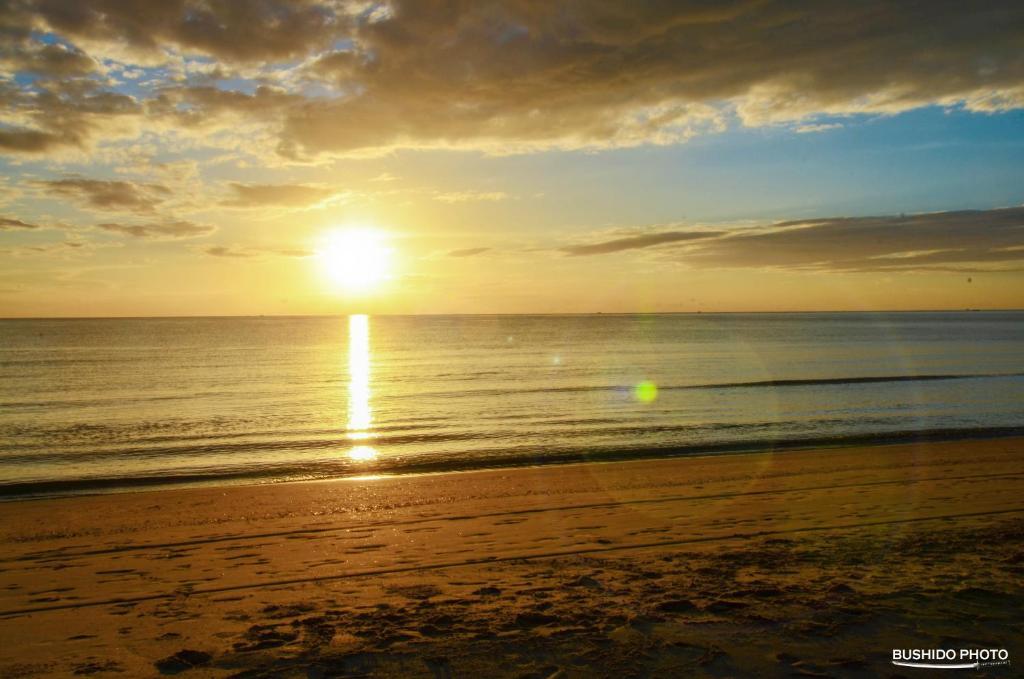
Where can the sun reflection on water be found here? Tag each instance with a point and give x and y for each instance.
(360, 416)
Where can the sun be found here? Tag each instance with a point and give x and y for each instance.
(356, 260)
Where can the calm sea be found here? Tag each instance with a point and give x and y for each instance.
(125, 403)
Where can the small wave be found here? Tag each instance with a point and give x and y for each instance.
(442, 464)
(756, 384)
(850, 380)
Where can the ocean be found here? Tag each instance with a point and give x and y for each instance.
(120, 404)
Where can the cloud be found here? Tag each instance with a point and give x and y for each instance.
(962, 241)
(60, 113)
(52, 60)
(469, 196)
(289, 195)
(224, 251)
(173, 230)
(298, 253)
(232, 31)
(108, 195)
(10, 224)
(365, 78)
(603, 74)
(67, 249)
(32, 141)
(468, 252)
(816, 127)
(645, 240)
(892, 243)
(194, 105)
(245, 252)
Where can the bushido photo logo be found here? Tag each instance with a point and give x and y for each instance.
(950, 658)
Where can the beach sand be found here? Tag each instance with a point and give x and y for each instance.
(803, 563)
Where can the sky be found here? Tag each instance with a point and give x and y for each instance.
(208, 158)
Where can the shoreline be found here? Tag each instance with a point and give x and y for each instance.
(48, 490)
(819, 560)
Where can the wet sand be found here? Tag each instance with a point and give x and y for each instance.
(803, 563)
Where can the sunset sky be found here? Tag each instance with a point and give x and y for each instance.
(181, 158)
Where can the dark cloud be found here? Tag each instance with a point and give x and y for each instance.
(223, 251)
(645, 240)
(613, 73)
(109, 195)
(21, 139)
(896, 243)
(245, 252)
(291, 195)
(48, 60)
(62, 113)
(962, 240)
(197, 105)
(298, 253)
(10, 223)
(173, 230)
(521, 74)
(468, 252)
(62, 249)
(245, 30)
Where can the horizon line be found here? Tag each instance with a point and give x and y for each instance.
(538, 313)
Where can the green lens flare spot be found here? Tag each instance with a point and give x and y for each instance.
(646, 391)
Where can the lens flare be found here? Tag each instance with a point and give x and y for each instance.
(646, 391)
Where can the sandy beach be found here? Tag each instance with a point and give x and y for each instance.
(805, 563)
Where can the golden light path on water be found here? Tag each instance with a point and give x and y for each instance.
(360, 415)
